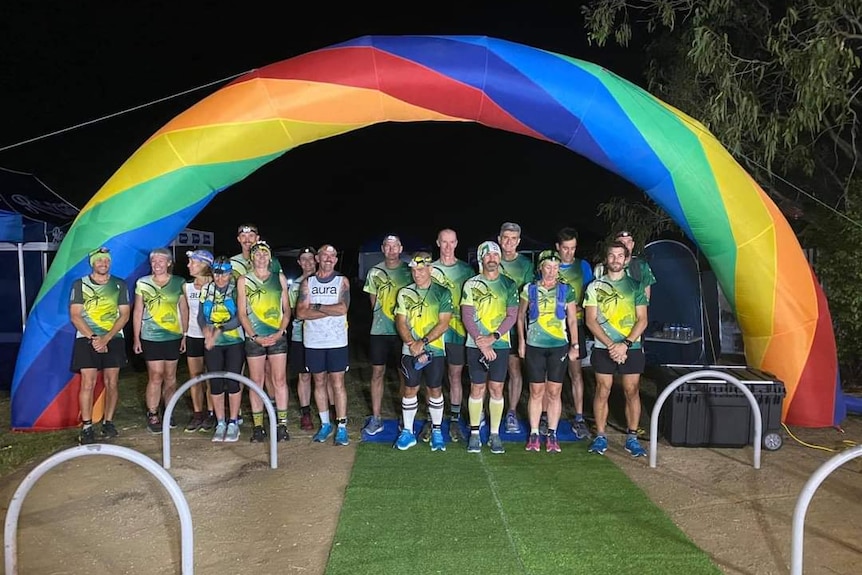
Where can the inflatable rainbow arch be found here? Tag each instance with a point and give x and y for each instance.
(759, 264)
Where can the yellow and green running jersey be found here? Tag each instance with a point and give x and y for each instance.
(161, 319)
(490, 300)
(101, 302)
(263, 303)
(384, 283)
(577, 274)
(422, 308)
(519, 270)
(242, 266)
(296, 323)
(452, 278)
(547, 330)
(616, 303)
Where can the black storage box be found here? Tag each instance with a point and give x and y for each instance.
(712, 412)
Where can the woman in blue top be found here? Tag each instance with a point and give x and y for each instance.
(223, 345)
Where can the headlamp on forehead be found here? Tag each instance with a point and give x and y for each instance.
(623, 234)
(101, 250)
(420, 261)
(548, 255)
(222, 265)
(261, 245)
(247, 228)
(99, 253)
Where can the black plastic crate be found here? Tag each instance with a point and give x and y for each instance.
(712, 412)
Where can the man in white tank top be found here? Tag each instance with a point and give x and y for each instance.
(324, 299)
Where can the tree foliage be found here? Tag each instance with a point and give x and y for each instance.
(779, 84)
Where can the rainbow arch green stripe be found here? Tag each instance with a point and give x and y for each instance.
(589, 110)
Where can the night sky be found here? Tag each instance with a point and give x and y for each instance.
(67, 66)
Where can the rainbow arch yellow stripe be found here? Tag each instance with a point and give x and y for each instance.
(779, 304)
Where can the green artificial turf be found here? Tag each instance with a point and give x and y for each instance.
(421, 512)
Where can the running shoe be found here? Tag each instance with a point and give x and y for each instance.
(373, 426)
(220, 431)
(88, 436)
(109, 430)
(543, 424)
(323, 433)
(341, 436)
(195, 422)
(580, 429)
(634, 447)
(208, 423)
(599, 445)
(154, 425)
(533, 442)
(474, 445)
(173, 423)
(405, 440)
(496, 444)
(551, 443)
(437, 442)
(425, 434)
(455, 432)
(232, 433)
(305, 423)
(512, 423)
(258, 434)
(281, 433)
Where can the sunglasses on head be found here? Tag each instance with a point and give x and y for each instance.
(101, 250)
(246, 229)
(219, 270)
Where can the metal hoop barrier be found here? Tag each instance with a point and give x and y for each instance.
(653, 423)
(169, 409)
(11, 528)
(819, 475)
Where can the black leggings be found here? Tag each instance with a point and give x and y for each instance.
(225, 358)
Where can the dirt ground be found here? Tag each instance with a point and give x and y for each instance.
(103, 514)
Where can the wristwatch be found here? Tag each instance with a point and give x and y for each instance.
(425, 340)
(316, 307)
(496, 335)
(575, 346)
(628, 342)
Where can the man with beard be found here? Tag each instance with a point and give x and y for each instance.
(615, 307)
(489, 309)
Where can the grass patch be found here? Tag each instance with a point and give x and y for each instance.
(454, 512)
(20, 448)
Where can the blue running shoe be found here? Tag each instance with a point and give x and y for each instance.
(341, 436)
(512, 423)
(599, 445)
(323, 433)
(474, 444)
(495, 443)
(373, 427)
(633, 446)
(405, 440)
(437, 443)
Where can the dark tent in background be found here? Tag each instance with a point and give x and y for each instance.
(33, 221)
(684, 325)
